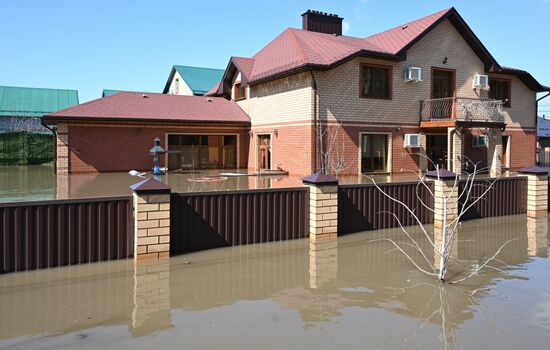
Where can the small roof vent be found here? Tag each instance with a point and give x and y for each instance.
(405, 26)
(145, 96)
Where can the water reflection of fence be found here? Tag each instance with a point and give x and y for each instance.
(44, 234)
(217, 219)
(508, 196)
(364, 207)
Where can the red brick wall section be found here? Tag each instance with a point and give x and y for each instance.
(291, 148)
(112, 149)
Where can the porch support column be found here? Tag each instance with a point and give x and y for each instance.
(323, 206)
(494, 152)
(454, 150)
(537, 191)
(423, 160)
(151, 202)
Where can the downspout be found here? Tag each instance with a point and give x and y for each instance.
(315, 122)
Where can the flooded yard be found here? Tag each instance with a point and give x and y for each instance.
(39, 182)
(354, 292)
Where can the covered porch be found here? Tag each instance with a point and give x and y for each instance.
(458, 132)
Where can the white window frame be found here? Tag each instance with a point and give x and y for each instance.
(389, 164)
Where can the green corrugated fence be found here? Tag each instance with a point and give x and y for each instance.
(22, 148)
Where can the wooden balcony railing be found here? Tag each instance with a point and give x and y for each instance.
(461, 109)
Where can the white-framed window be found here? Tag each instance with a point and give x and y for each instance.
(479, 141)
(374, 152)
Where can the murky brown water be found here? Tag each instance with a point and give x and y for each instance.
(349, 294)
(39, 182)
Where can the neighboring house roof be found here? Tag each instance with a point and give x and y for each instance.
(296, 50)
(213, 91)
(34, 102)
(109, 92)
(199, 79)
(139, 106)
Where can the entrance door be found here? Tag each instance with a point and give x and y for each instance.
(437, 151)
(443, 86)
(264, 151)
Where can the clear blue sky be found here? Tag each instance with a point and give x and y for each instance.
(131, 45)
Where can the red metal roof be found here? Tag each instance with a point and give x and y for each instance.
(155, 107)
(213, 91)
(295, 48)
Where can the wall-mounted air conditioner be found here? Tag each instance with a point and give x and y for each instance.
(413, 74)
(412, 140)
(481, 81)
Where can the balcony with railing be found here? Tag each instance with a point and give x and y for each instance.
(461, 109)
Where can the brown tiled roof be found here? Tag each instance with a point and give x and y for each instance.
(126, 106)
(295, 48)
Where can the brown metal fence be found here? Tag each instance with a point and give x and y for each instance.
(44, 234)
(364, 207)
(217, 219)
(508, 196)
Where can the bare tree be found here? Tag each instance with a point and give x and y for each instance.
(332, 150)
(444, 237)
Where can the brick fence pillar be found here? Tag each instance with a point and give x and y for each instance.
(323, 262)
(537, 191)
(151, 201)
(444, 182)
(323, 206)
(537, 236)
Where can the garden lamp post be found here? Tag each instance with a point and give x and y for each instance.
(156, 151)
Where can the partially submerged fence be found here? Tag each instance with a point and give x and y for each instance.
(43, 234)
(507, 196)
(364, 207)
(217, 219)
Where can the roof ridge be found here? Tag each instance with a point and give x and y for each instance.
(297, 42)
(210, 68)
(409, 22)
(36, 88)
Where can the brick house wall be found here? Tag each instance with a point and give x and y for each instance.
(289, 101)
(100, 147)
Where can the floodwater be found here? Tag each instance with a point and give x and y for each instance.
(356, 292)
(39, 182)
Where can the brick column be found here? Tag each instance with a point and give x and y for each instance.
(151, 298)
(422, 151)
(151, 201)
(455, 150)
(537, 236)
(323, 206)
(62, 149)
(494, 152)
(444, 181)
(323, 262)
(537, 191)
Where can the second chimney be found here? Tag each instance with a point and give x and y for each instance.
(322, 22)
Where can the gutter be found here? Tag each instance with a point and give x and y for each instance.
(315, 121)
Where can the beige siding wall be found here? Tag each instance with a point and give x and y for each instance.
(179, 87)
(281, 101)
(522, 111)
(339, 88)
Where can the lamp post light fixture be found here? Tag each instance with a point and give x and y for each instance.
(156, 152)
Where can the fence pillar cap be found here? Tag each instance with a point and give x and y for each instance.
(320, 179)
(535, 170)
(444, 174)
(150, 186)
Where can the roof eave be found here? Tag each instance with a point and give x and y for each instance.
(49, 119)
(324, 67)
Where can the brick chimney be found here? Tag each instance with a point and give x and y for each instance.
(322, 22)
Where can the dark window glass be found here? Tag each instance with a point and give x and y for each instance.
(240, 91)
(204, 140)
(190, 140)
(375, 82)
(500, 90)
(173, 140)
(230, 140)
(374, 153)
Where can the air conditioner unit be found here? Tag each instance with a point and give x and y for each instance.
(413, 74)
(412, 140)
(481, 82)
